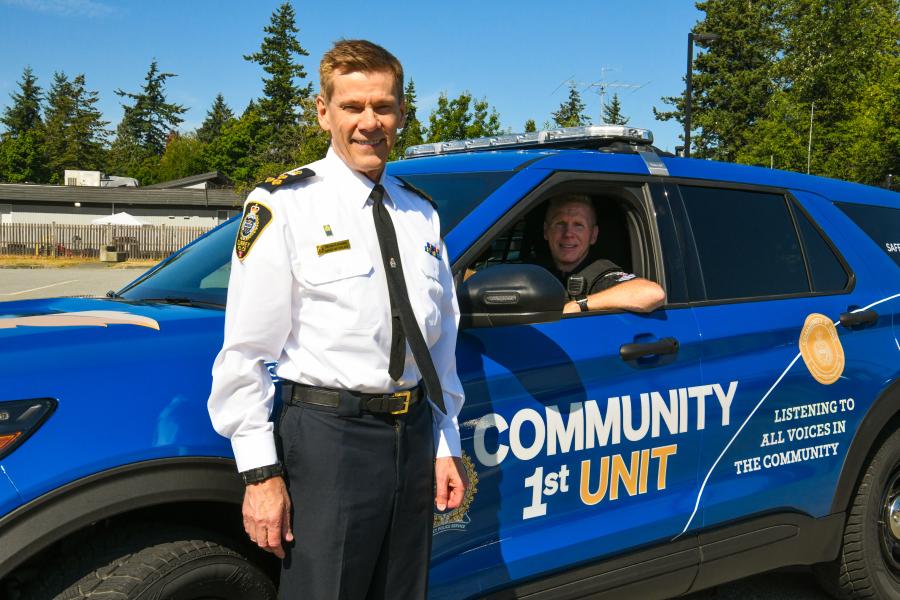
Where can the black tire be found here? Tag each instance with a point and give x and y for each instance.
(868, 565)
(154, 563)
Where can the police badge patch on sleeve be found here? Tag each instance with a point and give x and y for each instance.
(256, 216)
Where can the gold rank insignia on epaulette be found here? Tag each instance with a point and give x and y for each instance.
(256, 217)
(273, 183)
(418, 192)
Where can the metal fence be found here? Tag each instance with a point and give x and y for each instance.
(49, 239)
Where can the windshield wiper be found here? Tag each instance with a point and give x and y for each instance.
(180, 301)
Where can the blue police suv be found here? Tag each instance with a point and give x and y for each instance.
(750, 423)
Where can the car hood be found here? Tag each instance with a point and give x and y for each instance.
(47, 345)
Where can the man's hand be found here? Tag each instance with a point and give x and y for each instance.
(267, 515)
(450, 484)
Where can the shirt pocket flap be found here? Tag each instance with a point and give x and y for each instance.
(430, 266)
(333, 266)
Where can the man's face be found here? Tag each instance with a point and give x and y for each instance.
(570, 230)
(362, 116)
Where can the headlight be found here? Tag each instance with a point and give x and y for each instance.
(21, 418)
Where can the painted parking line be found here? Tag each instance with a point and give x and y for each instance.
(43, 287)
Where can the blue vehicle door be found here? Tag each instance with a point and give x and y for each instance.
(769, 291)
(576, 453)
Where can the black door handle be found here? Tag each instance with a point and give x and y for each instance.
(855, 319)
(667, 345)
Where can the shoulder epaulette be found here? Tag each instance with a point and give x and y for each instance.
(418, 192)
(273, 183)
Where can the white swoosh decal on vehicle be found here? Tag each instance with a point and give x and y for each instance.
(753, 412)
(84, 318)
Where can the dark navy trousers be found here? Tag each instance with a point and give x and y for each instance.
(362, 491)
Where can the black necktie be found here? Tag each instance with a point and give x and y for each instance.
(403, 322)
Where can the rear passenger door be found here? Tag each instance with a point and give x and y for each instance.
(767, 287)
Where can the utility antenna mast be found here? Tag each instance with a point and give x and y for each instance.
(602, 87)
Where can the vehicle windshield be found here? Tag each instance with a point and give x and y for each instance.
(198, 274)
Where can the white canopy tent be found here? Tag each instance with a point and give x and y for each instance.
(120, 218)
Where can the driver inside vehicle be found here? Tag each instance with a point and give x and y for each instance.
(570, 229)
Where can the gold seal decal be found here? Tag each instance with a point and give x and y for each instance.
(821, 349)
(458, 518)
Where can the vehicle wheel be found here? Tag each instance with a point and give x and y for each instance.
(869, 563)
(147, 563)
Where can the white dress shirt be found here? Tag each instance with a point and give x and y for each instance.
(325, 317)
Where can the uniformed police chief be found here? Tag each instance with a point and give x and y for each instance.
(340, 276)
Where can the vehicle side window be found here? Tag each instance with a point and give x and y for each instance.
(828, 275)
(746, 242)
(880, 223)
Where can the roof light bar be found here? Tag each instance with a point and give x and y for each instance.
(554, 137)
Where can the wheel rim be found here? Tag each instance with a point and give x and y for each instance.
(889, 524)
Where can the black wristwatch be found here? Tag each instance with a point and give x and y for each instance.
(583, 303)
(260, 474)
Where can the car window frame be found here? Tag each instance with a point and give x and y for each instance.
(683, 226)
(652, 255)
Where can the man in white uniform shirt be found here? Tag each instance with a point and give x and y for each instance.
(318, 285)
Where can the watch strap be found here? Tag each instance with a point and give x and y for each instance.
(260, 474)
(583, 303)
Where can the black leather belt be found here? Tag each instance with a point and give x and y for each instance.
(350, 403)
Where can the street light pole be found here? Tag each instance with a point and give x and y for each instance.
(702, 38)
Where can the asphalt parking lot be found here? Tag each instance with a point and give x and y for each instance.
(22, 284)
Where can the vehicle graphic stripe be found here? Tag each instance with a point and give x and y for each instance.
(753, 412)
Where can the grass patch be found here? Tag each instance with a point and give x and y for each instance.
(49, 262)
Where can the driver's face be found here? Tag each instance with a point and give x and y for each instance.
(570, 230)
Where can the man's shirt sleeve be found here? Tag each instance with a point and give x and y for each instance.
(446, 427)
(257, 324)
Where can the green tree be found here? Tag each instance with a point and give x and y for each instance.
(184, 156)
(312, 140)
(149, 120)
(76, 134)
(411, 134)
(530, 126)
(842, 58)
(612, 112)
(732, 80)
(216, 118)
(280, 106)
(462, 118)
(235, 152)
(571, 112)
(22, 155)
(24, 114)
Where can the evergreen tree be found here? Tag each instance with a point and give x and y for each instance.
(571, 112)
(75, 132)
(461, 118)
(732, 80)
(216, 117)
(840, 58)
(612, 112)
(280, 106)
(183, 157)
(150, 119)
(22, 155)
(25, 112)
(530, 126)
(411, 134)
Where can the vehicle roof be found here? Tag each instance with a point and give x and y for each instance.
(688, 168)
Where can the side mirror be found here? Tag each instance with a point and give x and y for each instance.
(511, 294)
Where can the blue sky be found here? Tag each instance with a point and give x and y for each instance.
(518, 54)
